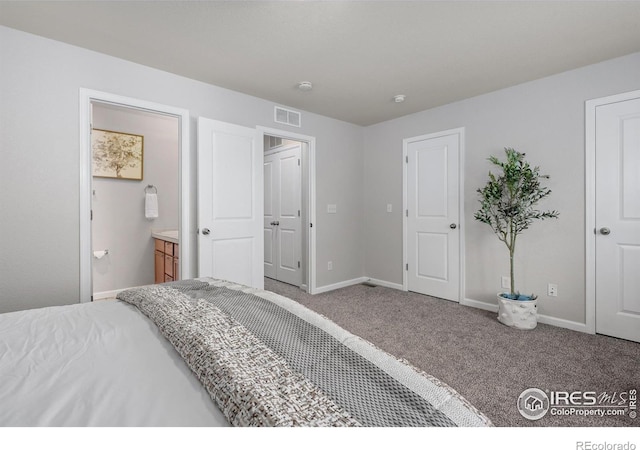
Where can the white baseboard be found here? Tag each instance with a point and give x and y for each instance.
(332, 287)
(106, 294)
(548, 320)
(110, 294)
(563, 323)
(478, 304)
(387, 284)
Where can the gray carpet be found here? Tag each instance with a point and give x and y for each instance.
(488, 363)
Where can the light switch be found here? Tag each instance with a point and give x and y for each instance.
(332, 209)
(389, 207)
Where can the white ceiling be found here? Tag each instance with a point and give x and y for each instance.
(357, 54)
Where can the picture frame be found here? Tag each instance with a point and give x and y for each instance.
(117, 155)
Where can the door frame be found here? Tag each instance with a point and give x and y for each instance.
(87, 96)
(311, 199)
(461, 256)
(590, 201)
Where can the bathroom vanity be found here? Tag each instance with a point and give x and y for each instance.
(167, 261)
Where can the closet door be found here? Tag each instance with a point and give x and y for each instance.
(282, 221)
(617, 218)
(432, 263)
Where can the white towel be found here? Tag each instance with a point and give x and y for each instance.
(151, 205)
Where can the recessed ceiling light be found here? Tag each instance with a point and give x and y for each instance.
(399, 98)
(305, 86)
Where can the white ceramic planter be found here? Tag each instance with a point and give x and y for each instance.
(522, 314)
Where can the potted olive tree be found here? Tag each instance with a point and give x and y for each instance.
(507, 205)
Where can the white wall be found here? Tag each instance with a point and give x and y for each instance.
(39, 175)
(119, 222)
(544, 119)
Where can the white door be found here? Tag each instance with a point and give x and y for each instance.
(282, 221)
(618, 219)
(230, 203)
(432, 215)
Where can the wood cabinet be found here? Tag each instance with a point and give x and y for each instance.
(167, 267)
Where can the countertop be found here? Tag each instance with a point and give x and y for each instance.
(166, 235)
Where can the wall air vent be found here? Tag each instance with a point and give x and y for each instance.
(275, 142)
(287, 117)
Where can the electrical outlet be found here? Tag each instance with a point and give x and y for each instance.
(505, 283)
(552, 290)
(330, 265)
(389, 207)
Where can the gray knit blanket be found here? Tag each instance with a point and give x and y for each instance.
(268, 361)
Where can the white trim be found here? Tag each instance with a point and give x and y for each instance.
(106, 294)
(341, 284)
(282, 148)
(548, 320)
(590, 202)
(110, 294)
(478, 304)
(405, 166)
(86, 96)
(311, 201)
(590, 214)
(461, 219)
(563, 323)
(386, 284)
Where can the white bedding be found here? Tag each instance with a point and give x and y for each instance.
(95, 364)
(106, 364)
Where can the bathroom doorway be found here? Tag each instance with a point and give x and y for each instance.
(136, 211)
(118, 224)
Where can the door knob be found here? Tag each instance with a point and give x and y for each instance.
(206, 231)
(453, 226)
(605, 231)
(277, 223)
(273, 223)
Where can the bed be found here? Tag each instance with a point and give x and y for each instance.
(207, 352)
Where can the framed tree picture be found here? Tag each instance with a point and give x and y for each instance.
(117, 155)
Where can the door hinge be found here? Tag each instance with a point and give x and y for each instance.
(298, 213)
(298, 264)
(298, 162)
(407, 213)
(406, 266)
(91, 214)
(406, 159)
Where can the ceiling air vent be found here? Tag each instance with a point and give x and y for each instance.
(287, 117)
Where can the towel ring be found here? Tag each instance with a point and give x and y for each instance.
(149, 187)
